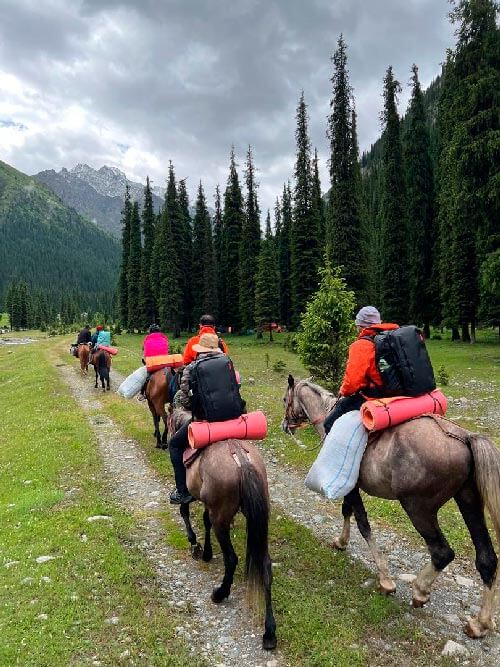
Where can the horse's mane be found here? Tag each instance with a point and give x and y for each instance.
(326, 397)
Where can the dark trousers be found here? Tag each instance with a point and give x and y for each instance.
(343, 405)
(178, 443)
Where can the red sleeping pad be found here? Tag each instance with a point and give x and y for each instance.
(252, 426)
(108, 348)
(380, 413)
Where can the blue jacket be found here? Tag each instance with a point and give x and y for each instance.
(104, 338)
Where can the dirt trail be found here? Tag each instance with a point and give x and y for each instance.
(224, 634)
(456, 593)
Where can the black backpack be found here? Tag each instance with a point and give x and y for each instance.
(403, 362)
(215, 393)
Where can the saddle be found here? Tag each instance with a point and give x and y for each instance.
(190, 455)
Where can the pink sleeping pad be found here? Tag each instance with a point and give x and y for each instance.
(252, 426)
(380, 413)
(108, 348)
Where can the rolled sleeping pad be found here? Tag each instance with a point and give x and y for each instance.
(159, 361)
(132, 384)
(109, 349)
(381, 413)
(252, 426)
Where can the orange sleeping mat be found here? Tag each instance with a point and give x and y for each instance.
(380, 413)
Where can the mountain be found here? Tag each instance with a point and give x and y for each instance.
(97, 194)
(48, 244)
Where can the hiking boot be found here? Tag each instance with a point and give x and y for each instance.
(141, 397)
(178, 498)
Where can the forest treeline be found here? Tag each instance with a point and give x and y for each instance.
(414, 224)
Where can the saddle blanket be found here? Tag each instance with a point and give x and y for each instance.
(336, 469)
(132, 384)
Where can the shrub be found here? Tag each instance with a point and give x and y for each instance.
(279, 366)
(327, 328)
(442, 376)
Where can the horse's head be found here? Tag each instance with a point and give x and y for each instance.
(295, 415)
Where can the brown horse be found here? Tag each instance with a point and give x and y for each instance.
(229, 476)
(83, 352)
(101, 361)
(422, 463)
(158, 395)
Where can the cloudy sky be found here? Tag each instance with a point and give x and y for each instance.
(134, 83)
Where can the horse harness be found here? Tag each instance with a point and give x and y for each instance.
(295, 420)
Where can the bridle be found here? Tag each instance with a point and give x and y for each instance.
(293, 419)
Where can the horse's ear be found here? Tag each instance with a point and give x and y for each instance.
(291, 381)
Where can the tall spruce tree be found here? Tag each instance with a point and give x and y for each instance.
(468, 121)
(305, 237)
(317, 203)
(185, 254)
(203, 271)
(394, 269)
(267, 282)
(218, 252)
(249, 246)
(344, 222)
(232, 221)
(134, 270)
(157, 259)
(123, 283)
(420, 209)
(284, 259)
(174, 282)
(147, 300)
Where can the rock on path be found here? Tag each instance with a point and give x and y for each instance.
(224, 634)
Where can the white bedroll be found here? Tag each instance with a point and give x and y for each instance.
(132, 384)
(336, 469)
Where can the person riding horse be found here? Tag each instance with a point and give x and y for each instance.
(207, 326)
(84, 336)
(155, 348)
(361, 379)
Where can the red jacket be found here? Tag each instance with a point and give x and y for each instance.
(361, 370)
(189, 354)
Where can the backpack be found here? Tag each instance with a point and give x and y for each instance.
(403, 362)
(214, 389)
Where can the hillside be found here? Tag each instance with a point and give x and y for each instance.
(48, 244)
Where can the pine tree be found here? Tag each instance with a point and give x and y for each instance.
(123, 284)
(169, 295)
(159, 256)
(134, 270)
(173, 281)
(185, 254)
(394, 269)
(267, 282)
(232, 221)
(284, 260)
(305, 233)
(249, 246)
(317, 204)
(218, 252)
(147, 300)
(420, 209)
(468, 179)
(203, 271)
(344, 222)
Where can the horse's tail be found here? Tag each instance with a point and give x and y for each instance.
(102, 366)
(487, 472)
(255, 508)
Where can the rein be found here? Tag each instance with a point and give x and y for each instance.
(296, 422)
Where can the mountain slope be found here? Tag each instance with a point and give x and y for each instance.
(48, 244)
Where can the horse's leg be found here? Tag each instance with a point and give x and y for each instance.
(96, 376)
(470, 505)
(423, 516)
(207, 546)
(342, 540)
(385, 581)
(164, 437)
(156, 423)
(108, 380)
(191, 535)
(269, 638)
(222, 533)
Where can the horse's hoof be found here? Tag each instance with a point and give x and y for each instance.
(108, 388)
(338, 545)
(269, 643)
(159, 445)
(418, 603)
(218, 595)
(475, 629)
(386, 587)
(207, 555)
(196, 551)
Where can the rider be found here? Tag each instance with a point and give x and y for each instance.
(361, 379)
(103, 337)
(208, 345)
(154, 349)
(207, 326)
(84, 336)
(98, 328)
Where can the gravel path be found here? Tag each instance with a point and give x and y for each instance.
(224, 634)
(455, 596)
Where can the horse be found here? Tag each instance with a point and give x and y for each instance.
(83, 352)
(226, 477)
(101, 361)
(421, 463)
(158, 394)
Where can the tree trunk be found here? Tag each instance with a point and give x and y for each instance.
(465, 333)
(270, 334)
(455, 335)
(473, 331)
(427, 330)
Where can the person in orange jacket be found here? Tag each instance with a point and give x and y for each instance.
(361, 378)
(207, 326)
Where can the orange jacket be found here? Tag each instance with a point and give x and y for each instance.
(361, 370)
(189, 354)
